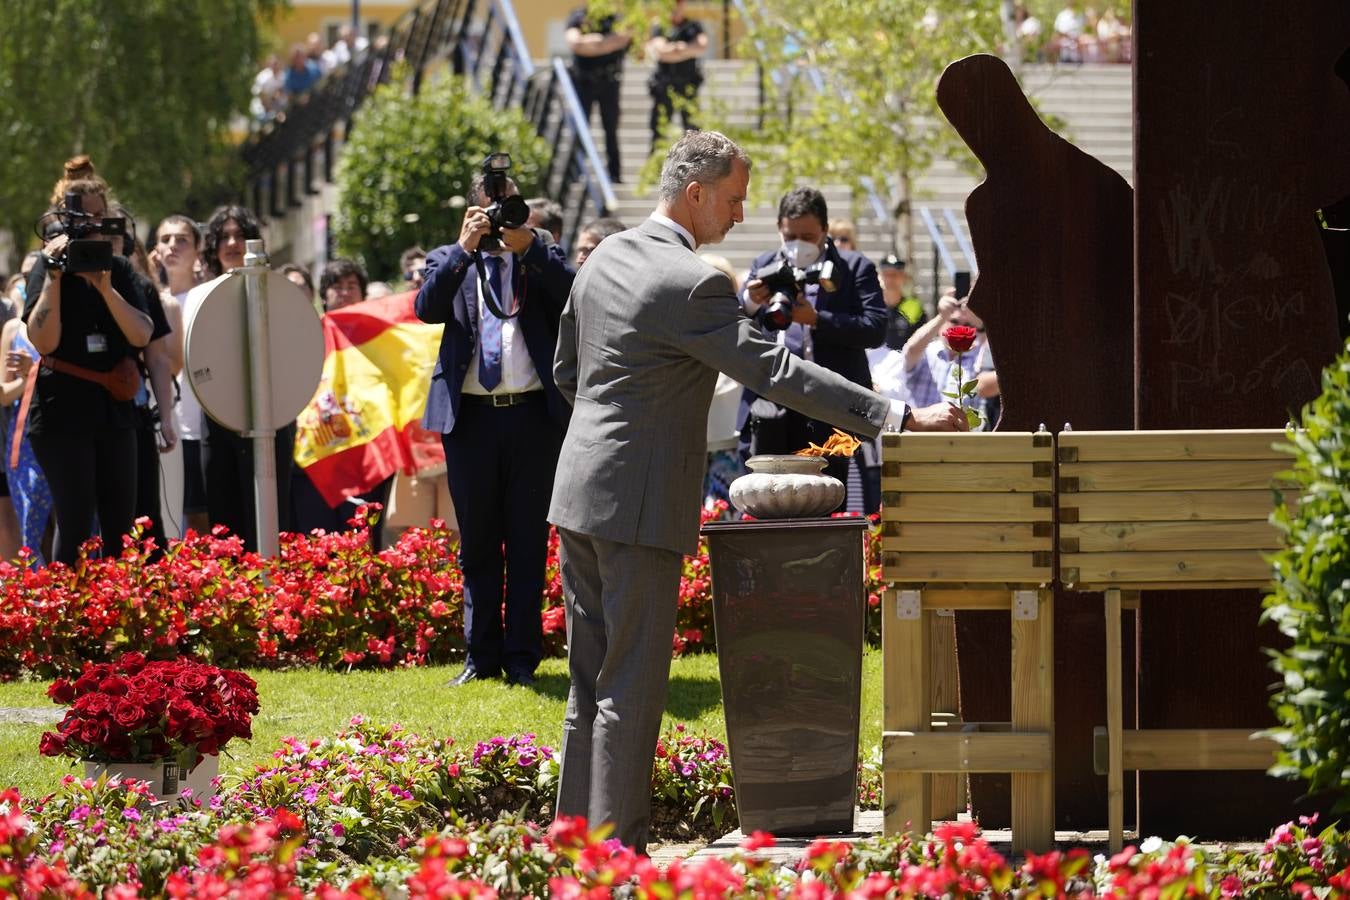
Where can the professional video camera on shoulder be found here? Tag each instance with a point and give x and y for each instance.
(784, 278)
(82, 253)
(503, 211)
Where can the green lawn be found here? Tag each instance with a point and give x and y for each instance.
(312, 703)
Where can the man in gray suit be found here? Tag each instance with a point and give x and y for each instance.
(646, 329)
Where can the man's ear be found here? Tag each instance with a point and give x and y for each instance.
(693, 192)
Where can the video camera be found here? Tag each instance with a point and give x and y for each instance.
(504, 211)
(81, 254)
(784, 281)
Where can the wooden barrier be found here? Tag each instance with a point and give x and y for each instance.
(1174, 510)
(967, 523)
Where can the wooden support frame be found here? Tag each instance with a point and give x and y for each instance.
(916, 759)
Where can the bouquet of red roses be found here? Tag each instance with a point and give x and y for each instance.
(132, 711)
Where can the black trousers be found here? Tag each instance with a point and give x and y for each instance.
(309, 510)
(663, 107)
(789, 433)
(90, 474)
(499, 464)
(603, 91)
(227, 460)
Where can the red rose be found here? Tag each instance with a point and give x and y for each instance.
(93, 731)
(61, 691)
(114, 685)
(959, 338)
(129, 714)
(191, 680)
(52, 744)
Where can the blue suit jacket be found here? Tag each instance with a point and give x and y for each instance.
(541, 282)
(852, 320)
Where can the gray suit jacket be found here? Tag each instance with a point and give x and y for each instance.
(646, 329)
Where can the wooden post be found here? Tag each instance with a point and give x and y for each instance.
(1033, 706)
(906, 798)
(949, 790)
(1115, 717)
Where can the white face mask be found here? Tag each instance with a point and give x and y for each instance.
(801, 253)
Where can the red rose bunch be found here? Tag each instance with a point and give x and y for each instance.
(959, 338)
(132, 710)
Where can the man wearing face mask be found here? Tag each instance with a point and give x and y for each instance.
(834, 329)
(494, 402)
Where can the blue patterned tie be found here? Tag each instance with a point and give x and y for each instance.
(490, 331)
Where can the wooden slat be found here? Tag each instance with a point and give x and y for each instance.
(1153, 475)
(966, 477)
(1115, 719)
(905, 751)
(1166, 506)
(983, 447)
(906, 797)
(941, 597)
(1105, 537)
(924, 568)
(937, 537)
(1163, 567)
(949, 790)
(1139, 445)
(1196, 749)
(1033, 709)
(952, 507)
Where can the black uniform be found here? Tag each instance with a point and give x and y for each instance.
(597, 82)
(670, 80)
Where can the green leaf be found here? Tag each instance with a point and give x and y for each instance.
(973, 419)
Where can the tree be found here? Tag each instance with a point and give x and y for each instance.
(149, 89)
(876, 120)
(408, 162)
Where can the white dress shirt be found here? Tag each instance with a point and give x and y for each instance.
(677, 228)
(518, 371)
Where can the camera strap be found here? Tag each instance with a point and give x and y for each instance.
(22, 418)
(489, 295)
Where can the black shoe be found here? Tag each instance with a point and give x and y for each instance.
(463, 678)
(520, 677)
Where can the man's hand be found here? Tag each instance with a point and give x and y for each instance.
(938, 417)
(517, 240)
(168, 431)
(803, 312)
(947, 307)
(757, 291)
(475, 226)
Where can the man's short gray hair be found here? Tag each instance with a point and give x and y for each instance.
(702, 156)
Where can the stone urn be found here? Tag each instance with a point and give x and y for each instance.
(786, 487)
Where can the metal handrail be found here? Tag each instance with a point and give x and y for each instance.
(962, 239)
(939, 242)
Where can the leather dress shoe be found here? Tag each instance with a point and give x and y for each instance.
(469, 674)
(520, 677)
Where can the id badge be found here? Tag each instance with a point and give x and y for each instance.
(96, 343)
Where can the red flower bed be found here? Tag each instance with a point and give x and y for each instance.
(326, 601)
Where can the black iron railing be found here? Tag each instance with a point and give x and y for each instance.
(479, 39)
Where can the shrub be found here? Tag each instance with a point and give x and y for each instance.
(409, 155)
(1311, 600)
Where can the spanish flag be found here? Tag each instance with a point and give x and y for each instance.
(363, 423)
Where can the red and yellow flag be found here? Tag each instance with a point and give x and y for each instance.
(363, 423)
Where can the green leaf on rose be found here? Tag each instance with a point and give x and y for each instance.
(973, 418)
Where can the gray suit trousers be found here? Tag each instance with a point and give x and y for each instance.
(621, 601)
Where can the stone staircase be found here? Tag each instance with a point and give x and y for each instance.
(1094, 102)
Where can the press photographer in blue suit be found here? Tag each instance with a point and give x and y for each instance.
(825, 305)
(500, 291)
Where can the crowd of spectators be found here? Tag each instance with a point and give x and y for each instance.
(278, 82)
(1077, 34)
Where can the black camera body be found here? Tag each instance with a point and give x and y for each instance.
(503, 211)
(81, 254)
(784, 281)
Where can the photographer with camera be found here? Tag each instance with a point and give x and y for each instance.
(500, 291)
(86, 315)
(825, 305)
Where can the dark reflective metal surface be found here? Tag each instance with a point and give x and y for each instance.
(789, 608)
